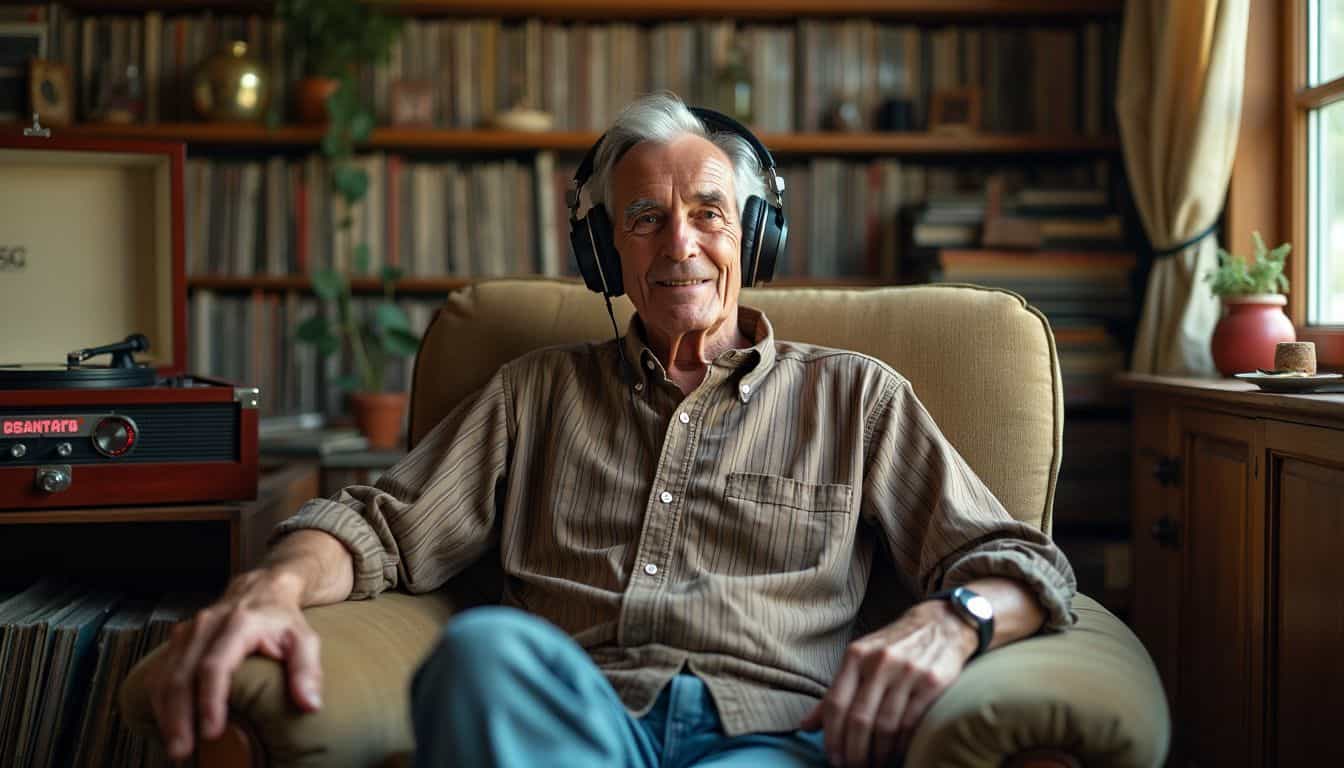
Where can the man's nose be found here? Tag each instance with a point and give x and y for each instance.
(682, 240)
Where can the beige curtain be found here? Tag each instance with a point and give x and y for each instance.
(1178, 102)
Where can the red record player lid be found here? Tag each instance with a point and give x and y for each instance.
(92, 247)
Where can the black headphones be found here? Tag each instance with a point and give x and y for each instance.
(764, 230)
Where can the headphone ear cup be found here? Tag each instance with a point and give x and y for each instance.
(581, 245)
(774, 234)
(751, 233)
(607, 257)
(590, 242)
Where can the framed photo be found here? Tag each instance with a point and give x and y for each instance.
(955, 110)
(49, 92)
(411, 102)
(19, 42)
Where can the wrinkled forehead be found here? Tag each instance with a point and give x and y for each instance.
(690, 165)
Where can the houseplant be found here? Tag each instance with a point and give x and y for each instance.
(333, 39)
(1253, 321)
(330, 40)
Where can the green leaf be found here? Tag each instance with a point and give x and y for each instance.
(348, 383)
(333, 146)
(328, 345)
(351, 181)
(312, 330)
(361, 125)
(361, 259)
(401, 342)
(391, 317)
(392, 273)
(329, 284)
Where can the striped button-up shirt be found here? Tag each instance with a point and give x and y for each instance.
(730, 531)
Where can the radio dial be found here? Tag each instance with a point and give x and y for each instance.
(114, 436)
(18, 450)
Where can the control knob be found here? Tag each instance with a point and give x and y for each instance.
(115, 436)
(53, 479)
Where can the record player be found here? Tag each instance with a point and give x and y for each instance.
(96, 408)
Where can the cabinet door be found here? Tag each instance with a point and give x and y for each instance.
(1214, 719)
(1306, 524)
(1155, 477)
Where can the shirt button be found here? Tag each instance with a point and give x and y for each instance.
(665, 497)
(685, 418)
(745, 389)
(650, 569)
(648, 364)
(639, 386)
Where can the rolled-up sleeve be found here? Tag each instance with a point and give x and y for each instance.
(944, 527)
(434, 512)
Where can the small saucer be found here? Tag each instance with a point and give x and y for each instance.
(1320, 382)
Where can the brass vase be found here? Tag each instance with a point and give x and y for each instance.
(231, 86)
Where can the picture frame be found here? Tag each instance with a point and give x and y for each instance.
(955, 110)
(411, 103)
(49, 92)
(20, 41)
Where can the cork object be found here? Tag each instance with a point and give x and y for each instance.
(1295, 356)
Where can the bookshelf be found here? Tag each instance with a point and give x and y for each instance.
(913, 143)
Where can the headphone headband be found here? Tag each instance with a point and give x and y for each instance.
(713, 121)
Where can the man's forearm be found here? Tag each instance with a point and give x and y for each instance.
(1017, 612)
(311, 567)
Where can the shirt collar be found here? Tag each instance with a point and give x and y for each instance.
(757, 360)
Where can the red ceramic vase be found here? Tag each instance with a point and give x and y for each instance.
(1251, 327)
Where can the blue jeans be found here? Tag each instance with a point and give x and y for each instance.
(505, 688)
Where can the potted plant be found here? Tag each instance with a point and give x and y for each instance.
(375, 335)
(330, 39)
(1253, 322)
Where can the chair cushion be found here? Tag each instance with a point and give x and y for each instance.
(981, 360)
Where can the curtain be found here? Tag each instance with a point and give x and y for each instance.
(1178, 103)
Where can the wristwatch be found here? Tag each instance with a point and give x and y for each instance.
(975, 610)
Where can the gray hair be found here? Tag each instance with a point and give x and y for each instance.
(662, 117)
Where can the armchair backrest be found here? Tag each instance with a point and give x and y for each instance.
(981, 360)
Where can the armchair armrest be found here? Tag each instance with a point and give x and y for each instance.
(1092, 693)
(370, 649)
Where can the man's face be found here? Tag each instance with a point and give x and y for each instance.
(674, 212)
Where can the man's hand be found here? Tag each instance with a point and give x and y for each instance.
(189, 685)
(260, 612)
(888, 680)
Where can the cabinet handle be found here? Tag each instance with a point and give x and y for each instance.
(1167, 471)
(1167, 532)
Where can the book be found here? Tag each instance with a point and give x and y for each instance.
(313, 442)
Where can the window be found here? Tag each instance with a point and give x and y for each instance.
(1323, 103)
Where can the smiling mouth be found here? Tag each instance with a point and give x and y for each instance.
(680, 283)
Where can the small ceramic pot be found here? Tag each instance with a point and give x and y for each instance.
(1250, 329)
(379, 416)
(310, 97)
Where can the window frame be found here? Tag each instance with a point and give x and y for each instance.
(1299, 100)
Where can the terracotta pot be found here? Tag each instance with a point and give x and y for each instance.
(1251, 326)
(379, 416)
(310, 98)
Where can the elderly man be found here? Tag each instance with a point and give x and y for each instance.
(686, 518)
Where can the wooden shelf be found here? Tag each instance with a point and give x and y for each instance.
(236, 135)
(444, 285)
(613, 10)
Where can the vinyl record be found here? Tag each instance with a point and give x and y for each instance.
(40, 376)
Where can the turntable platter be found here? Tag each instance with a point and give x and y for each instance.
(47, 376)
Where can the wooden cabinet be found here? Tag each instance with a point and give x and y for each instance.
(1239, 519)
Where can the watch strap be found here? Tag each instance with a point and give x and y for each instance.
(984, 628)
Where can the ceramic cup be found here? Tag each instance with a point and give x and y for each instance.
(1295, 356)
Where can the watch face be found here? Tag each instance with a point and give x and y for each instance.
(980, 607)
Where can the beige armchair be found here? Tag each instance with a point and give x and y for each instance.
(983, 363)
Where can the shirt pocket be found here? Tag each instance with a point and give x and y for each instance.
(779, 524)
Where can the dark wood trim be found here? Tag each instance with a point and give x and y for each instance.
(485, 140)
(1043, 758)
(669, 9)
